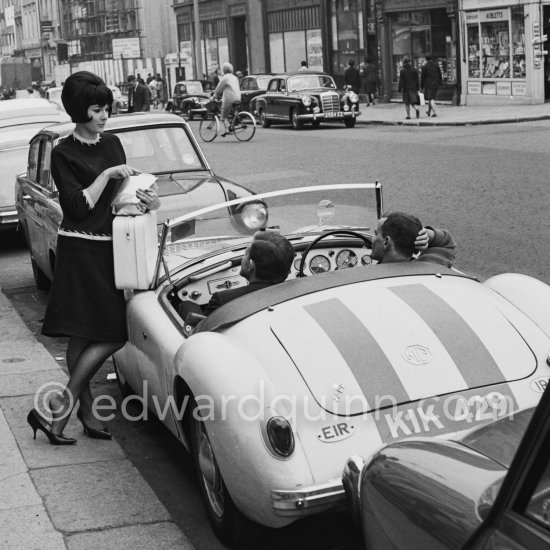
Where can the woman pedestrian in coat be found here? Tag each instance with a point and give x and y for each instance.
(409, 84)
(370, 80)
(84, 303)
(430, 81)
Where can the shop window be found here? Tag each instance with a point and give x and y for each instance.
(496, 44)
(346, 18)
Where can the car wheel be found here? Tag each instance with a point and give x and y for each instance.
(227, 521)
(42, 282)
(297, 124)
(349, 122)
(263, 119)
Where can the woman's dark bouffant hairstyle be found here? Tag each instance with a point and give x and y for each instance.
(80, 91)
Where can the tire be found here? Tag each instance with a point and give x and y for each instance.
(228, 523)
(296, 123)
(263, 119)
(123, 386)
(244, 126)
(42, 282)
(350, 122)
(188, 113)
(209, 128)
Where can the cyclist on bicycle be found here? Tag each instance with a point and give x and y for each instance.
(229, 91)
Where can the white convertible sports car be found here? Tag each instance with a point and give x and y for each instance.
(273, 391)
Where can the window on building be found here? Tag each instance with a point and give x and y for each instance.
(346, 18)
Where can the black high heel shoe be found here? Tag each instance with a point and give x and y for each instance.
(91, 432)
(37, 422)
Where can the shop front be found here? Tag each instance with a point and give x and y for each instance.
(502, 52)
(426, 28)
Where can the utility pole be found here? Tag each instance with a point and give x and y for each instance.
(198, 53)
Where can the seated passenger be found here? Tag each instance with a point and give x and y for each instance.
(266, 262)
(399, 236)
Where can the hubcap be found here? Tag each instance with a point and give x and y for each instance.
(210, 474)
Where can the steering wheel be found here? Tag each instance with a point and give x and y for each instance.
(355, 234)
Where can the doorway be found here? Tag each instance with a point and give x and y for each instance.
(240, 52)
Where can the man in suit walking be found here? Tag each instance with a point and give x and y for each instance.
(139, 97)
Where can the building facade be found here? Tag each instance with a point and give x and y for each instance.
(503, 51)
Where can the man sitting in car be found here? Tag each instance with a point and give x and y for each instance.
(266, 262)
(399, 237)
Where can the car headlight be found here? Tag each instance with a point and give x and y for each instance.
(306, 101)
(254, 215)
(353, 97)
(281, 438)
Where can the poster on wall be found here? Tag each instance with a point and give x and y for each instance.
(314, 49)
(519, 88)
(474, 88)
(504, 88)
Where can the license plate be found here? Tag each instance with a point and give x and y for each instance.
(334, 115)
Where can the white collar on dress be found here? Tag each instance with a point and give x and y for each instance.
(86, 141)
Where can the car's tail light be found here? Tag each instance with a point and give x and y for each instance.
(254, 215)
(280, 436)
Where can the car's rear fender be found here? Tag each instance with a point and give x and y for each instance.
(232, 391)
(526, 293)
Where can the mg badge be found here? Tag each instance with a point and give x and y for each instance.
(417, 354)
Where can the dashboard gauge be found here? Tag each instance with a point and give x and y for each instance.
(297, 263)
(366, 260)
(319, 264)
(346, 258)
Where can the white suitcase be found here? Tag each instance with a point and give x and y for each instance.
(135, 249)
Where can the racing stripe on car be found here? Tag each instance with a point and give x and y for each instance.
(472, 358)
(362, 353)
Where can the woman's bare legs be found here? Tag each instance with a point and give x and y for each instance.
(84, 357)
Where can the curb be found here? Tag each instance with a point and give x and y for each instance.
(415, 123)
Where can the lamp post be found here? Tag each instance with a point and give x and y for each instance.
(198, 56)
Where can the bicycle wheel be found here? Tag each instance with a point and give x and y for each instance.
(209, 128)
(244, 126)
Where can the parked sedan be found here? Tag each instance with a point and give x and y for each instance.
(20, 119)
(190, 98)
(161, 144)
(252, 86)
(488, 489)
(305, 97)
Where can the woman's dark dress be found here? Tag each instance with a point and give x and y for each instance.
(83, 299)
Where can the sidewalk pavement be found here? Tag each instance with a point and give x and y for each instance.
(452, 115)
(83, 497)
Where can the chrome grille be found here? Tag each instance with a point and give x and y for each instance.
(330, 101)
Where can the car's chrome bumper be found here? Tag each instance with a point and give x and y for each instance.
(308, 500)
(8, 219)
(342, 115)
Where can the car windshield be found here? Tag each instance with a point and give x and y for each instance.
(262, 82)
(192, 88)
(309, 81)
(295, 213)
(160, 150)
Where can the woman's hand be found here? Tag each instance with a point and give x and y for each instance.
(148, 199)
(122, 171)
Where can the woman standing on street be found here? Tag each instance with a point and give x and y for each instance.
(409, 84)
(84, 303)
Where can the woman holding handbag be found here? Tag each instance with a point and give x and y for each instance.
(409, 84)
(84, 303)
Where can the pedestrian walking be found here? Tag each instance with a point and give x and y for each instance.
(430, 81)
(409, 84)
(369, 80)
(84, 303)
(161, 91)
(303, 66)
(152, 87)
(139, 97)
(351, 77)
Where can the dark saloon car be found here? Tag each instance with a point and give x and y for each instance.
(190, 98)
(161, 144)
(486, 490)
(252, 86)
(305, 97)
